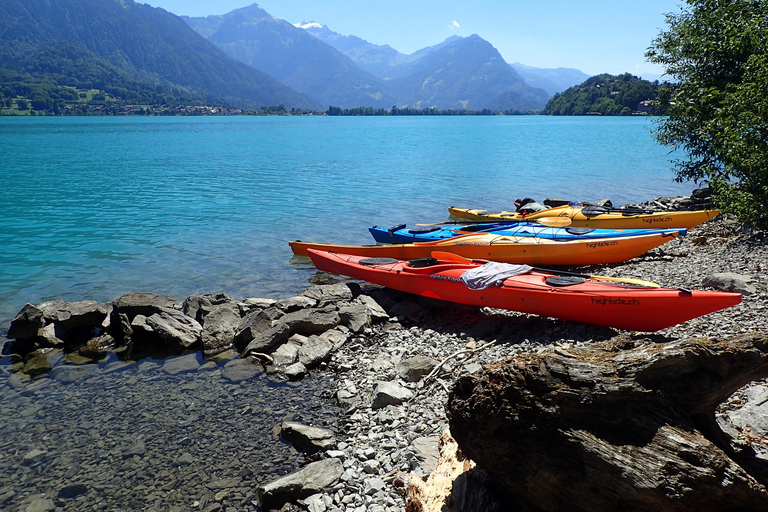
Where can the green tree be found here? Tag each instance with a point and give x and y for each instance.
(717, 51)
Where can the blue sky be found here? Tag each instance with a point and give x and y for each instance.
(597, 36)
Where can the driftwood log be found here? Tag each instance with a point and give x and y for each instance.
(619, 426)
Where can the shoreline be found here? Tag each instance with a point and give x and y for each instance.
(381, 448)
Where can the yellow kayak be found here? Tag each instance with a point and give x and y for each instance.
(598, 217)
(510, 249)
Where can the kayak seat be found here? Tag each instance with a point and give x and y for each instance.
(423, 230)
(395, 228)
(579, 231)
(427, 261)
(563, 280)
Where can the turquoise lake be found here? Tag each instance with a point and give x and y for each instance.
(93, 208)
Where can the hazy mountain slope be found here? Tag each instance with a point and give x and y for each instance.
(146, 43)
(294, 57)
(466, 73)
(551, 80)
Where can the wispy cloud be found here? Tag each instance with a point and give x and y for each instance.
(454, 25)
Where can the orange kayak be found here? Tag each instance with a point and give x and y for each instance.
(510, 249)
(597, 217)
(581, 299)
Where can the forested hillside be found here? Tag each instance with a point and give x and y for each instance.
(52, 51)
(608, 95)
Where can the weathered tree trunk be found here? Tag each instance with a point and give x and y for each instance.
(614, 426)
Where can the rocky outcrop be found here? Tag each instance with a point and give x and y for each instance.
(317, 322)
(615, 427)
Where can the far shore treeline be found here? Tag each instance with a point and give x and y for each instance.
(599, 95)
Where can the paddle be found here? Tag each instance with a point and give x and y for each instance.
(461, 259)
(554, 222)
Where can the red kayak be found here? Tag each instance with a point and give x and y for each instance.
(610, 302)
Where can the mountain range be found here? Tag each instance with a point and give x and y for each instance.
(248, 58)
(347, 71)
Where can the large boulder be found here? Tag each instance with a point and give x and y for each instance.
(176, 329)
(613, 427)
(219, 326)
(313, 478)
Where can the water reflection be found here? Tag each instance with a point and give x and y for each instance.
(157, 434)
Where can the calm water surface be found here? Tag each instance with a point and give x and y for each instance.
(97, 207)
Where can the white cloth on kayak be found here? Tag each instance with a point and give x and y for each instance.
(490, 273)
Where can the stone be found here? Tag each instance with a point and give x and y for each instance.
(181, 364)
(426, 451)
(199, 306)
(314, 351)
(176, 329)
(26, 323)
(311, 321)
(138, 303)
(39, 504)
(413, 369)
(286, 354)
(72, 491)
(37, 363)
(253, 324)
(307, 438)
(355, 316)
(138, 448)
(74, 316)
(219, 326)
(332, 293)
(295, 371)
(33, 456)
(312, 479)
(730, 282)
(296, 303)
(389, 393)
(239, 370)
(264, 341)
(378, 314)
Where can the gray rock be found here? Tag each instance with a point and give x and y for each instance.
(307, 438)
(175, 328)
(199, 306)
(373, 485)
(286, 354)
(72, 316)
(389, 393)
(72, 491)
(355, 316)
(146, 304)
(26, 323)
(730, 282)
(33, 456)
(138, 448)
(296, 303)
(311, 321)
(39, 504)
(314, 351)
(219, 327)
(329, 293)
(187, 363)
(377, 312)
(426, 452)
(255, 323)
(415, 368)
(295, 371)
(264, 341)
(311, 479)
(239, 370)
(48, 336)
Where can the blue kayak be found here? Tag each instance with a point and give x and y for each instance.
(401, 234)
